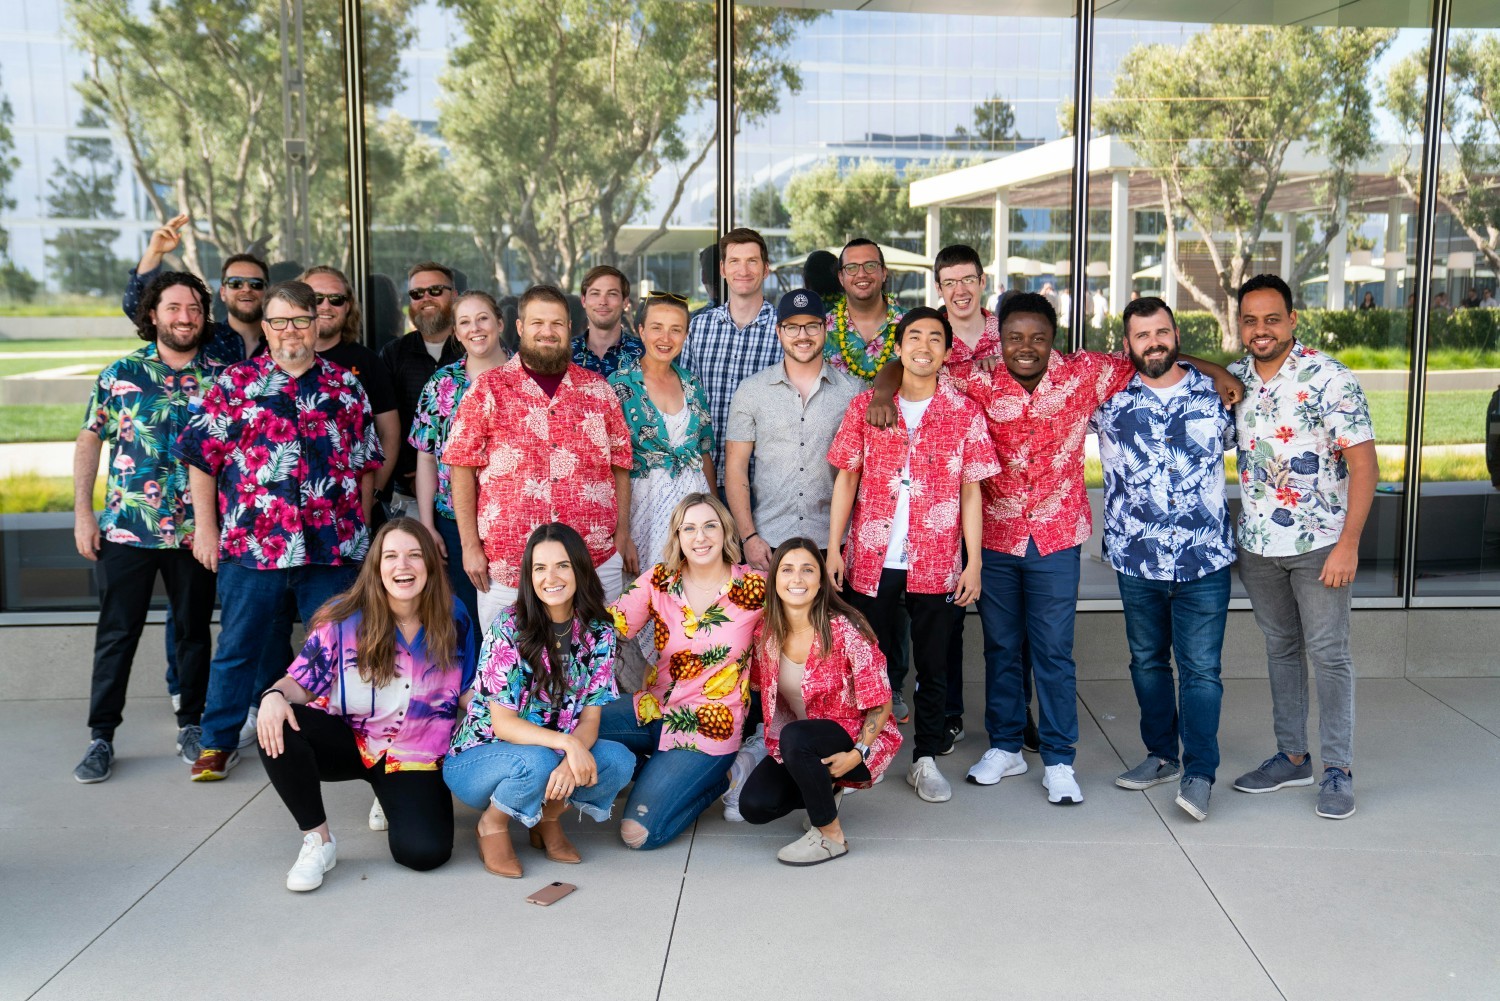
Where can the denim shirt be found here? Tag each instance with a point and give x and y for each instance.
(1166, 515)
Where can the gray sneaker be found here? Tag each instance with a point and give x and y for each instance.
(1276, 772)
(1152, 772)
(1192, 796)
(924, 777)
(899, 708)
(95, 766)
(1336, 794)
(190, 743)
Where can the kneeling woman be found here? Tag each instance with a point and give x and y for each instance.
(685, 724)
(529, 746)
(826, 702)
(388, 663)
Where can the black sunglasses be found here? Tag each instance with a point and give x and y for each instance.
(431, 290)
(333, 299)
(253, 284)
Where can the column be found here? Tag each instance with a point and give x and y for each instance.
(934, 244)
(1394, 244)
(1121, 240)
(1337, 248)
(1169, 268)
(1002, 242)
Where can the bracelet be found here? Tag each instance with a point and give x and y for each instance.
(752, 535)
(273, 690)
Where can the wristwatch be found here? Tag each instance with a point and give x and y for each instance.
(864, 752)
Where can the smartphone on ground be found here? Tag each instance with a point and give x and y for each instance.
(551, 894)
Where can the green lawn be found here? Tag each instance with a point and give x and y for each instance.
(20, 366)
(48, 422)
(1454, 417)
(124, 345)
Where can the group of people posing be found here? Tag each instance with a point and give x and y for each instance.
(698, 554)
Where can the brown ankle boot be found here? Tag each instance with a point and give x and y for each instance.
(548, 836)
(499, 855)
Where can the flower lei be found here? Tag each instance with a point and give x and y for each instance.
(843, 338)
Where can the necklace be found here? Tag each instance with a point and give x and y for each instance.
(852, 346)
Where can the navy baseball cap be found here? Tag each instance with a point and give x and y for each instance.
(799, 302)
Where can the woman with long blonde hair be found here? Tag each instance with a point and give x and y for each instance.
(388, 664)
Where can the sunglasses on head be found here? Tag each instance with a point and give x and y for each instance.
(253, 284)
(333, 299)
(432, 290)
(298, 322)
(668, 296)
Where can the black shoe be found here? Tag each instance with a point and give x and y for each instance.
(1030, 741)
(95, 766)
(953, 732)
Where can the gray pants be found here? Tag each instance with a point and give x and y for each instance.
(1304, 621)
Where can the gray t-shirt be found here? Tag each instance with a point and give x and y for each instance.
(792, 485)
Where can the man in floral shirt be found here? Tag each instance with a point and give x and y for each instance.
(914, 493)
(1307, 470)
(283, 455)
(535, 441)
(140, 403)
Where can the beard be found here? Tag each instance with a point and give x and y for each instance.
(547, 361)
(170, 339)
(431, 322)
(1155, 366)
(245, 314)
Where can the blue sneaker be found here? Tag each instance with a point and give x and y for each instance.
(1276, 772)
(1336, 794)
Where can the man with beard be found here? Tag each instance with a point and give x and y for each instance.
(140, 404)
(1167, 534)
(861, 322)
(604, 345)
(535, 441)
(285, 448)
(242, 284)
(411, 360)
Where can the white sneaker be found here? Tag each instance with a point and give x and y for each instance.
(1062, 787)
(995, 765)
(924, 777)
(313, 861)
(247, 732)
(750, 754)
(377, 817)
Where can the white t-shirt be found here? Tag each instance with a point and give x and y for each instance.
(436, 350)
(1165, 395)
(895, 555)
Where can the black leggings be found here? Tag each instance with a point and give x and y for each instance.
(417, 805)
(800, 780)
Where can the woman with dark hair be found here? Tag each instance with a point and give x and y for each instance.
(529, 746)
(387, 662)
(1368, 301)
(826, 702)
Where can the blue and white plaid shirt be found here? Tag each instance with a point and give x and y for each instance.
(722, 355)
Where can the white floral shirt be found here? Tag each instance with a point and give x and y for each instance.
(1293, 430)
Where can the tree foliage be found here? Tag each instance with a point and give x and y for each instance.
(194, 88)
(560, 115)
(15, 281)
(82, 186)
(830, 205)
(1215, 119)
(1469, 179)
(994, 125)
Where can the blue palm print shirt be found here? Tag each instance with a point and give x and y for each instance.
(1166, 516)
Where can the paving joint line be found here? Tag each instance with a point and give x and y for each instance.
(677, 909)
(1438, 699)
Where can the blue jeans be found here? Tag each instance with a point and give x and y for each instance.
(249, 601)
(671, 787)
(514, 778)
(1186, 619)
(463, 587)
(1030, 599)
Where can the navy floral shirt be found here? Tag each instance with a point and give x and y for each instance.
(1166, 515)
(288, 453)
(625, 353)
(140, 405)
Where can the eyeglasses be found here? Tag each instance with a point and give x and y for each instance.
(333, 299)
(802, 329)
(298, 322)
(417, 294)
(869, 267)
(967, 281)
(253, 284)
(669, 296)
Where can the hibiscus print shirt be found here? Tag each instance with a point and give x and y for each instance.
(504, 680)
(409, 720)
(140, 405)
(950, 447)
(433, 421)
(700, 682)
(1293, 429)
(841, 684)
(288, 453)
(541, 459)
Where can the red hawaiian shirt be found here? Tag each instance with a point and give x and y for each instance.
(961, 358)
(540, 459)
(288, 454)
(1039, 493)
(841, 684)
(950, 447)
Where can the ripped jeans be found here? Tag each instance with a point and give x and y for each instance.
(671, 787)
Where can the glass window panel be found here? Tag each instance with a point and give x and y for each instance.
(1458, 516)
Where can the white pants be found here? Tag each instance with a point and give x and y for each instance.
(492, 602)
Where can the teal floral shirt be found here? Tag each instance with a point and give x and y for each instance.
(648, 431)
(1293, 430)
(140, 405)
(432, 422)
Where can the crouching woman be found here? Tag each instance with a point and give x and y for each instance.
(528, 747)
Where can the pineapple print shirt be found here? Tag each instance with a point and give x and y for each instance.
(700, 682)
